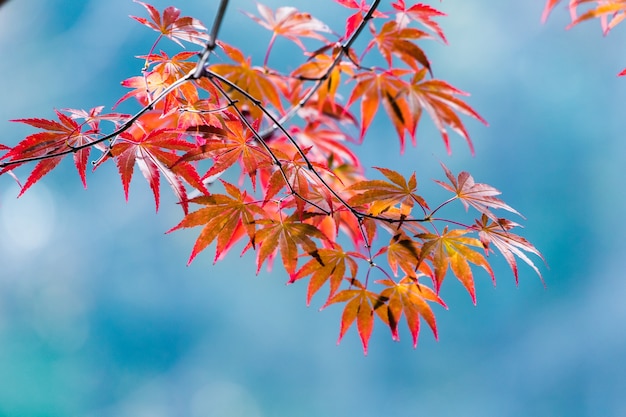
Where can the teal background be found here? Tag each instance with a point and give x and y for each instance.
(99, 316)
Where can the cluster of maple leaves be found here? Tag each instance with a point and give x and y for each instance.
(303, 197)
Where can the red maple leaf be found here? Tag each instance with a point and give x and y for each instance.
(439, 100)
(548, 8)
(290, 23)
(172, 26)
(480, 196)
(154, 152)
(355, 20)
(371, 88)
(509, 244)
(394, 39)
(58, 137)
(421, 13)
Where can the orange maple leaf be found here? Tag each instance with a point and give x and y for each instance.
(237, 145)
(452, 248)
(407, 297)
(404, 253)
(316, 68)
(371, 88)
(224, 217)
(361, 304)
(380, 195)
(285, 235)
(253, 80)
(327, 264)
(439, 100)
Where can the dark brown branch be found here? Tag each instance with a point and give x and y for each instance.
(210, 45)
(345, 48)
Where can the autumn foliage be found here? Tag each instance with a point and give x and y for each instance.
(378, 246)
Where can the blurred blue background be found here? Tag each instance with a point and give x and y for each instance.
(99, 316)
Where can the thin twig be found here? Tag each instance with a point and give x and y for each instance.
(344, 50)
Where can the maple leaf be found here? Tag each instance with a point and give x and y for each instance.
(325, 144)
(548, 8)
(327, 111)
(421, 13)
(211, 140)
(171, 67)
(360, 231)
(57, 137)
(361, 304)
(166, 71)
(480, 196)
(615, 9)
(146, 87)
(381, 194)
(303, 182)
(404, 253)
(172, 26)
(409, 298)
(316, 68)
(238, 145)
(327, 264)
(396, 40)
(509, 244)
(452, 248)
(355, 19)
(195, 113)
(285, 234)
(290, 23)
(605, 9)
(154, 152)
(254, 80)
(94, 116)
(439, 100)
(223, 217)
(371, 87)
